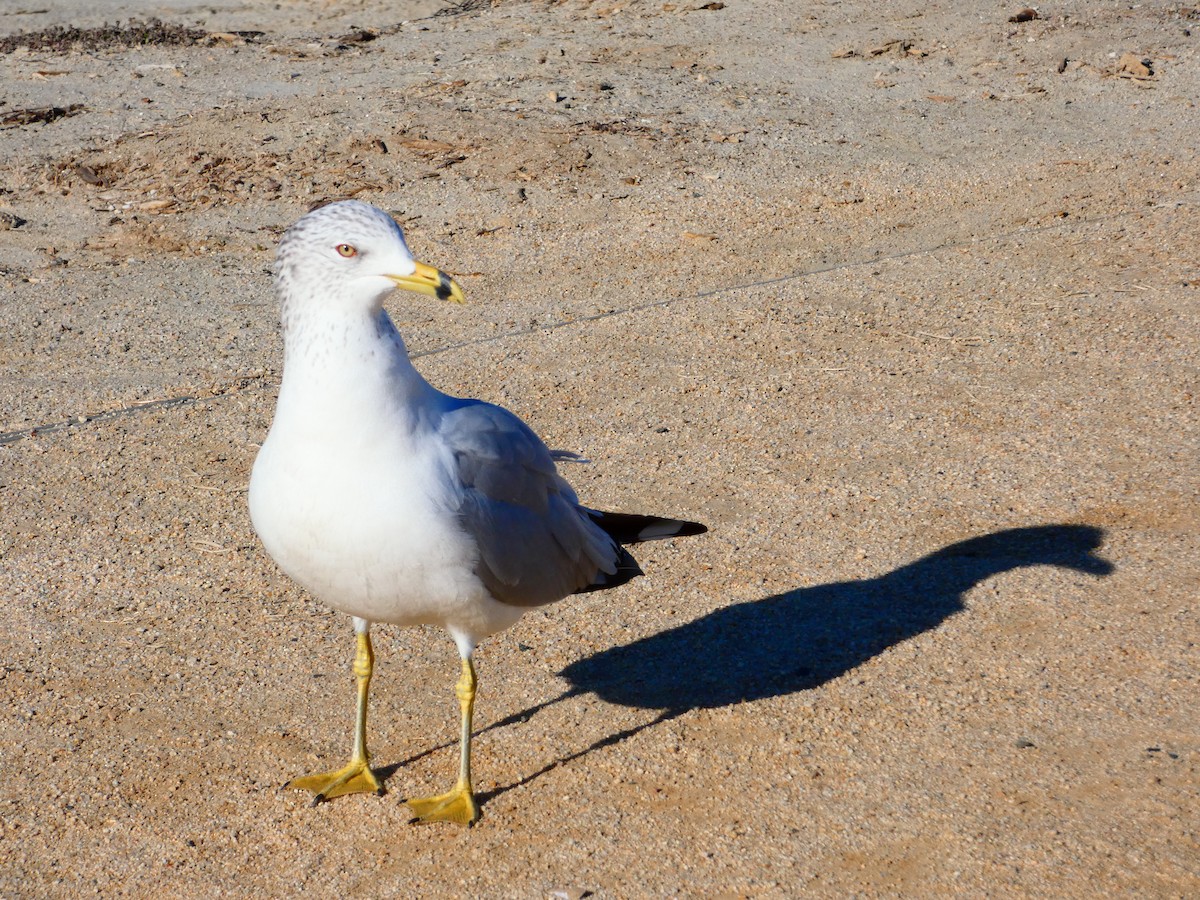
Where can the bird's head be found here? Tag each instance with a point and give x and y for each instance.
(355, 253)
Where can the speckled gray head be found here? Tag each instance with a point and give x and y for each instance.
(329, 245)
(350, 255)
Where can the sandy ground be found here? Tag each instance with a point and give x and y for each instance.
(899, 298)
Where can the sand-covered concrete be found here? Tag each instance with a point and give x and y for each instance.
(900, 299)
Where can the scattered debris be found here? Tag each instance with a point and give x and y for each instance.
(135, 33)
(359, 36)
(39, 114)
(1130, 65)
(495, 225)
(157, 69)
(128, 239)
(427, 147)
(235, 38)
(90, 175)
(894, 47)
(463, 6)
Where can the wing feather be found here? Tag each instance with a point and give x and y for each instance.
(536, 543)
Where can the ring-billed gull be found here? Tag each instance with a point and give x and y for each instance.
(393, 502)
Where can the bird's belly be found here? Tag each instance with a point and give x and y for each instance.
(371, 541)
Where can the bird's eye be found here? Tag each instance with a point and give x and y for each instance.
(347, 250)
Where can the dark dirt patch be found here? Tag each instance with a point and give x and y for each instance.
(134, 33)
(41, 114)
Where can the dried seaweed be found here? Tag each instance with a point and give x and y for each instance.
(134, 33)
(463, 6)
(39, 115)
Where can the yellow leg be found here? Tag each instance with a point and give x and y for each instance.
(356, 777)
(458, 804)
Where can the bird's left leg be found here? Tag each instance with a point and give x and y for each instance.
(458, 804)
(355, 777)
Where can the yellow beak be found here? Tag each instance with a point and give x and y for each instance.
(428, 280)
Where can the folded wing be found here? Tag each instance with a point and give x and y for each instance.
(536, 543)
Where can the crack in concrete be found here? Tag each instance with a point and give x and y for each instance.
(242, 383)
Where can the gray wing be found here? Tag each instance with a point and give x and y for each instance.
(536, 544)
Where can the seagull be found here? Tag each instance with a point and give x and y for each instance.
(393, 502)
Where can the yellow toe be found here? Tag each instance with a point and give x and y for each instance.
(457, 805)
(356, 778)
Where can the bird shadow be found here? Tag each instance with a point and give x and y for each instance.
(800, 639)
(803, 638)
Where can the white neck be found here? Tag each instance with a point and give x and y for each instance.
(340, 368)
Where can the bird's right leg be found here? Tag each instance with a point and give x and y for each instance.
(355, 777)
(458, 804)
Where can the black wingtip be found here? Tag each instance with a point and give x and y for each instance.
(626, 528)
(690, 529)
(627, 570)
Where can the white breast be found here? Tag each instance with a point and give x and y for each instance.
(377, 538)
